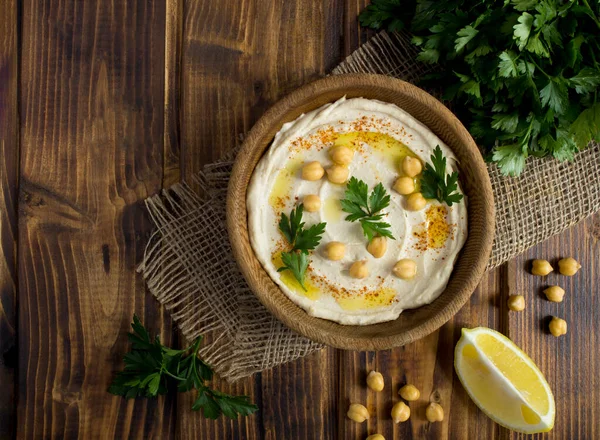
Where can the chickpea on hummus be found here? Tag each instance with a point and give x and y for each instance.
(354, 277)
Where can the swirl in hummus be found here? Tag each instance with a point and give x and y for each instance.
(381, 136)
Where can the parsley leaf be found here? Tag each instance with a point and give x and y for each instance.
(436, 184)
(587, 126)
(308, 239)
(301, 240)
(523, 29)
(367, 208)
(586, 80)
(510, 158)
(555, 95)
(297, 263)
(151, 369)
(465, 35)
(290, 226)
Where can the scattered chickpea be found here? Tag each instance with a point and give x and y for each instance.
(516, 303)
(411, 166)
(434, 412)
(555, 294)
(359, 269)
(404, 185)
(409, 392)
(375, 381)
(375, 437)
(568, 266)
(341, 155)
(416, 202)
(400, 412)
(312, 171)
(337, 174)
(358, 413)
(312, 202)
(377, 246)
(335, 250)
(405, 269)
(541, 267)
(558, 327)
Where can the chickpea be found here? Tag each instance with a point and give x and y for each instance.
(568, 266)
(341, 155)
(377, 246)
(404, 185)
(375, 437)
(541, 267)
(409, 392)
(335, 250)
(411, 166)
(434, 412)
(516, 303)
(416, 202)
(312, 202)
(400, 412)
(312, 171)
(375, 381)
(555, 294)
(558, 327)
(358, 413)
(337, 174)
(405, 269)
(359, 270)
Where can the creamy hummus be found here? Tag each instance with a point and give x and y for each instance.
(381, 135)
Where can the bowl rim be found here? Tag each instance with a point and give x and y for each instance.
(242, 248)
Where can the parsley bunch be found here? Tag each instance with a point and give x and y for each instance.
(367, 208)
(436, 184)
(302, 240)
(523, 75)
(152, 369)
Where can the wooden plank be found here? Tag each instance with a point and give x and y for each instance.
(9, 166)
(92, 109)
(238, 58)
(570, 363)
(427, 364)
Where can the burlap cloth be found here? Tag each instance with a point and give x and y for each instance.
(189, 267)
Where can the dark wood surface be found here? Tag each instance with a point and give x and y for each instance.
(105, 103)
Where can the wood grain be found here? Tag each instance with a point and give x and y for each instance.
(119, 99)
(92, 109)
(470, 265)
(238, 58)
(9, 169)
(570, 363)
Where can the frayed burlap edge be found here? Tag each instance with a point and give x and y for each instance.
(189, 268)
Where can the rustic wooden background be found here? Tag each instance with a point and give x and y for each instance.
(102, 104)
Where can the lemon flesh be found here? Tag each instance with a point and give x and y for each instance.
(503, 381)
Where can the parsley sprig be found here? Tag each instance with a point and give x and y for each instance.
(367, 208)
(436, 184)
(152, 369)
(522, 75)
(301, 240)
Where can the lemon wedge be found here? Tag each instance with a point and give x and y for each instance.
(503, 381)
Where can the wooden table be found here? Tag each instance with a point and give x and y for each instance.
(104, 103)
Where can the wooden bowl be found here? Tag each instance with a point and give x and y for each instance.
(470, 265)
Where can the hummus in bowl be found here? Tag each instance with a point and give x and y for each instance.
(376, 138)
(251, 215)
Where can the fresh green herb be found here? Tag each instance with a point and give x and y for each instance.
(152, 369)
(436, 184)
(367, 208)
(296, 262)
(523, 75)
(301, 240)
